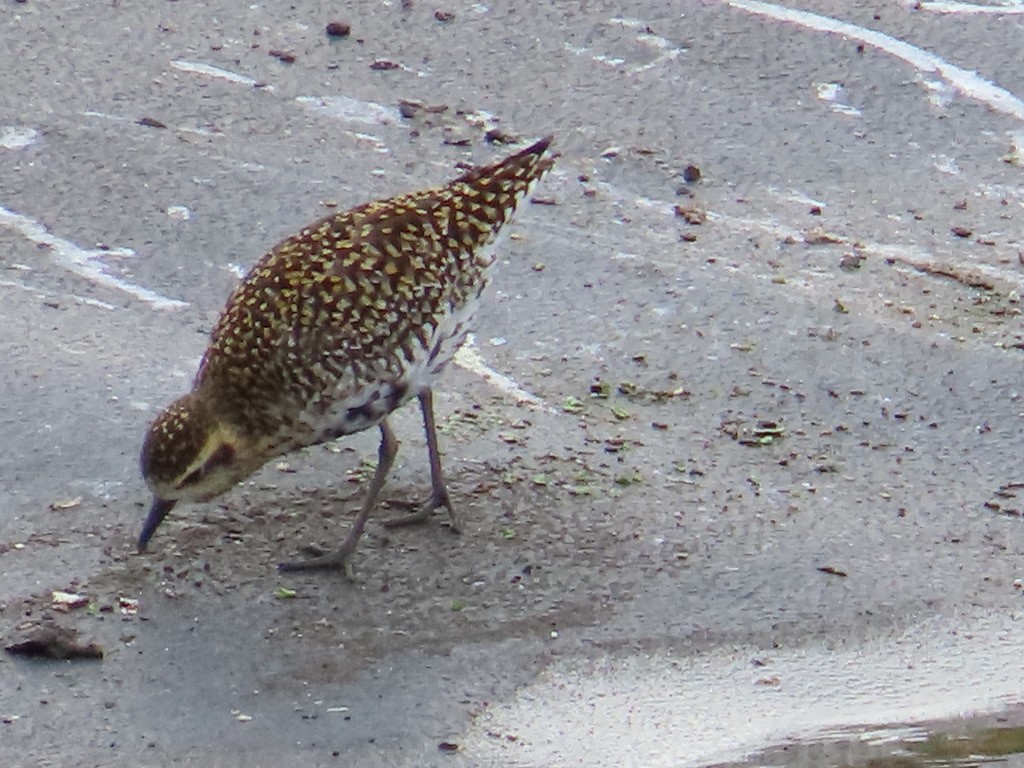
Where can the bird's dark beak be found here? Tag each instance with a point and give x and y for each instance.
(156, 515)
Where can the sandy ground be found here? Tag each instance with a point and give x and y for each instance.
(773, 412)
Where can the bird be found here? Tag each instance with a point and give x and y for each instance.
(330, 332)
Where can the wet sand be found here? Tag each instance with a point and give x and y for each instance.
(721, 444)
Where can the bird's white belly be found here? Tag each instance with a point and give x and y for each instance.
(345, 409)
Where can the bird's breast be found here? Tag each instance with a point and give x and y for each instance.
(351, 398)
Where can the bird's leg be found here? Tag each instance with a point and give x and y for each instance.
(340, 557)
(438, 489)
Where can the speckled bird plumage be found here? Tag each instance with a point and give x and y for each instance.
(339, 325)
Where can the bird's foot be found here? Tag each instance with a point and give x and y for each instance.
(423, 510)
(321, 560)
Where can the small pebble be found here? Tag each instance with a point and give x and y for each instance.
(851, 262)
(408, 109)
(500, 136)
(338, 29)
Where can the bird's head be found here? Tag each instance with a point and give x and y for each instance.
(188, 455)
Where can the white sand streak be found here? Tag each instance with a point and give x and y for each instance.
(84, 262)
(198, 68)
(467, 357)
(1002, 9)
(969, 83)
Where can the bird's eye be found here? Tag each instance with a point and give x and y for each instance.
(191, 478)
(222, 457)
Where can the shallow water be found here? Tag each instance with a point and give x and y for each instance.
(806, 706)
(986, 740)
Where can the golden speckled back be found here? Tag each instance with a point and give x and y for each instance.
(344, 321)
